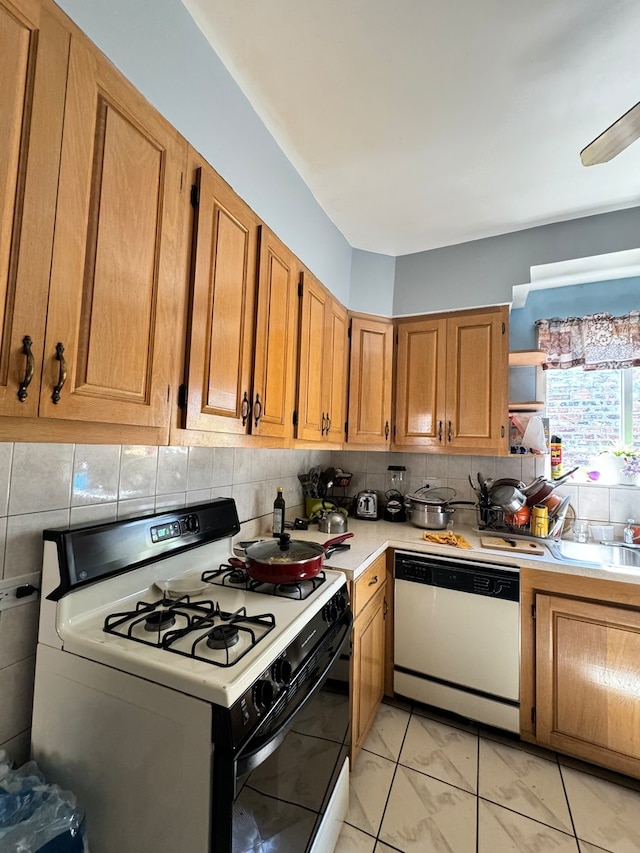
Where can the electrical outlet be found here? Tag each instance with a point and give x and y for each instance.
(19, 590)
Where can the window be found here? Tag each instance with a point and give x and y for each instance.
(592, 409)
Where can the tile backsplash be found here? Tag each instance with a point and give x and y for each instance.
(53, 485)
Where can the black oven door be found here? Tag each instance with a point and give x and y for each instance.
(284, 777)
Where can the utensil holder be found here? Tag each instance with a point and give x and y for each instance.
(490, 518)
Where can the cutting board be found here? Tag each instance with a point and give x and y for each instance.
(522, 546)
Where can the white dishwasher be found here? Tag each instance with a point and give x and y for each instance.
(457, 636)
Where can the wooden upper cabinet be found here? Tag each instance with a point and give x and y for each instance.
(34, 50)
(115, 254)
(451, 382)
(335, 374)
(420, 382)
(370, 376)
(322, 364)
(219, 371)
(275, 339)
(477, 382)
(311, 398)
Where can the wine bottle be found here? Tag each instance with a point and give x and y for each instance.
(278, 513)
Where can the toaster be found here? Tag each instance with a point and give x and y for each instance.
(367, 504)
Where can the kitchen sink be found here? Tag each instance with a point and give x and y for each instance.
(614, 555)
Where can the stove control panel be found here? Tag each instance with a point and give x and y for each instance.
(282, 682)
(172, 530)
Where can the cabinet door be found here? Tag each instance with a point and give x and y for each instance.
(587, 694)
(115, 259)
(313, 358)
(276, 326)
(33, 67)
(370, 370)
(322, 364)
(220, 350)
(476, 386)
(420, 383)
(368, 667)
(335, 374)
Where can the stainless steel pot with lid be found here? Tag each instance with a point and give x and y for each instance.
(433, 509)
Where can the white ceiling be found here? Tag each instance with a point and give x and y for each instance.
(424, 123)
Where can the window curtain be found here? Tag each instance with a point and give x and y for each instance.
(595, 342)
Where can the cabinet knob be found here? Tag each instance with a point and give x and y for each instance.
(245, 409)
(439, 430)
(386, 430)
(449, 432)
(62, 376)
(28, 374)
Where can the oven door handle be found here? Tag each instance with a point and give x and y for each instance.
(263, 747)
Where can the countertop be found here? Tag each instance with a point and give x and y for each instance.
(372, 538)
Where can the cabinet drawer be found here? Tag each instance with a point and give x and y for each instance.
(368, 584)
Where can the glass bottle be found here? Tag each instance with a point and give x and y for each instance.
(278, 513)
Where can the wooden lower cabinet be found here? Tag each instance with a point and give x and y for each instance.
(581, 668)
(369, 643)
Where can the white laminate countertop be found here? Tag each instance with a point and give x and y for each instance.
(372, 538)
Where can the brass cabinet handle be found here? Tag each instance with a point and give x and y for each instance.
(245, 409)
(62, 376)
(439, 430)
(386, 430)
(373, 580)
(257, 410)
(28, 374)
(449, 433)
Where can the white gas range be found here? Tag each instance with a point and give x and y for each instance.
(188, 706)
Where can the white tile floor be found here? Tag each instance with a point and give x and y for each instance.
(425, 782)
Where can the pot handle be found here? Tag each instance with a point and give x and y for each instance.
(336, 540)
(460, 503)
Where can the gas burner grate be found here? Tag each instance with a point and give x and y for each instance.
(154, 617)
(148, 624)
(238, 578)
(228, 627)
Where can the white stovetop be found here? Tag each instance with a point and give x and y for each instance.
(76, 623)
(372, 538)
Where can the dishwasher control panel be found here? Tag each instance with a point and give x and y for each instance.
(465, 576)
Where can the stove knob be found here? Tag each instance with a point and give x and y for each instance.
(330, 612)
(263, 695)
(282, 671)
(341, 603)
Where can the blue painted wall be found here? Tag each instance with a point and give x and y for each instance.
(372, 278)
(484, 272)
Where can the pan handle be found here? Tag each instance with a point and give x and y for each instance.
(336, 540)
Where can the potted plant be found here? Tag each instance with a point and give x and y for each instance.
(619, 465)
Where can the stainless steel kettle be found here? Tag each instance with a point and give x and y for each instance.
(332, 521)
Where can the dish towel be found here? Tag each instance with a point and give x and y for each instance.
(448, 538)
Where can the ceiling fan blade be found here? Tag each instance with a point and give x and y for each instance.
(614, 139)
